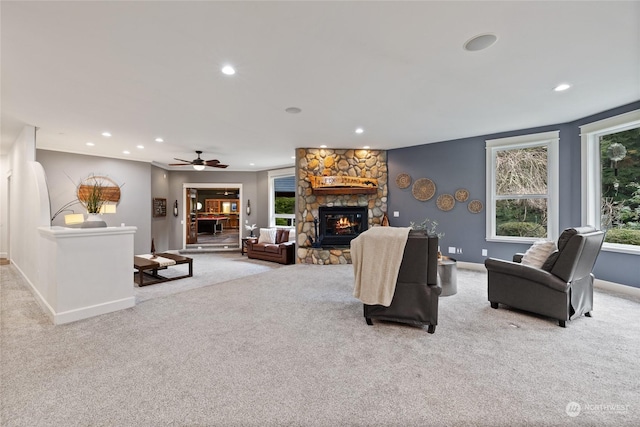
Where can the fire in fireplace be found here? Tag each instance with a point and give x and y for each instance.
(340, 224)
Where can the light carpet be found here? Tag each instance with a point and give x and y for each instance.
(290, 347)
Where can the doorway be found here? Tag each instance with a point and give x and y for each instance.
(213, 216)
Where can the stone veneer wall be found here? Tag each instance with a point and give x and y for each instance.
(332, 162)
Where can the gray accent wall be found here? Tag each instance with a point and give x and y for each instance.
(64, 171)
(161, 226)
(461, 164)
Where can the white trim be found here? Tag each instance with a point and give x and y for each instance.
(272, 174)
(591, 178)
(94, 310)
(616, 287)
(197, 185)
(598, 283)
(552, 141)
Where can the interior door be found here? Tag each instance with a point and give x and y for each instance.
(192, 216)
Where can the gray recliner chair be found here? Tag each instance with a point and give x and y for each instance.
(561, 289)
(415, 300)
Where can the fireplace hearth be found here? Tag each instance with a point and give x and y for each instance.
(340, 224)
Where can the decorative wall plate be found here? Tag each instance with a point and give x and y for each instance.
(403, 180)
(475, 206)
(423, 189)
(445, 202)
(462, 195)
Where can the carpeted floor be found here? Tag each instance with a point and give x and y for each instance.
(289, 346)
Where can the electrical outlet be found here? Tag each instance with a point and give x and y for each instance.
(485, 252)
(452, 250)
(396, 214)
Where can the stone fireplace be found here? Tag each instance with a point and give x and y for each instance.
(341, 164)
(338, 225)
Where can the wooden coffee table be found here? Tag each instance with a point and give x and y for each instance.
(149, 268)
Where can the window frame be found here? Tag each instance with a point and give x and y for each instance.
(551, 140)
(591, 190)
(272, 175)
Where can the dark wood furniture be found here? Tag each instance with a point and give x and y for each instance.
(243, 247)
(149, 269)
(213, 224)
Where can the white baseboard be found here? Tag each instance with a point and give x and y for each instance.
(471, 266)
(599, 284)
(93, 310)
(617, 287)
(48, 310)
(77, 314)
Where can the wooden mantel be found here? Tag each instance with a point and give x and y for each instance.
(343, 185)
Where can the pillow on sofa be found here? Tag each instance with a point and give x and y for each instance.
(538, 253)
(267, 235)
(282, 236)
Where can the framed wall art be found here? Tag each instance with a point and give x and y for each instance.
(159, 207)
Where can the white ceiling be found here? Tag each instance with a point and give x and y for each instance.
(146, 69)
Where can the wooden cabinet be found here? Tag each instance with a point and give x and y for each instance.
(227, 207)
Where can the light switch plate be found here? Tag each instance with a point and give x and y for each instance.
(396, 214)
(452, 249)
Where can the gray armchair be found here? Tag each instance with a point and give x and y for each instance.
(415, 300)
(561, 289)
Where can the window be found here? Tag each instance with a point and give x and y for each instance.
(611, 180)
(522, 187)
(282, 198)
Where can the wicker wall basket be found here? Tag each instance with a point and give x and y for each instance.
(423, 189)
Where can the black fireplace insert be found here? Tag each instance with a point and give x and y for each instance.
(340, 224)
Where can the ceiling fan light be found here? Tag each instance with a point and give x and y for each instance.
(198, 167)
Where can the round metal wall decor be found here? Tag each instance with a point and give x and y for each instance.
(423, 189)
(445, 202)
(475, 206)
(462, 195)
(403, 180)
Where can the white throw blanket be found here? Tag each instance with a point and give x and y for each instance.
(164, 262)
(376, 255)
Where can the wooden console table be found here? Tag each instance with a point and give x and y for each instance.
(149, 267)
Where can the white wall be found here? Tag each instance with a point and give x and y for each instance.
(28, 205)
(4, 204)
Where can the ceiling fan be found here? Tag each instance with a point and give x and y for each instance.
(199, 164)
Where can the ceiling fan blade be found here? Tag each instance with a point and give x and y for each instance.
(186, 161)
(179, 164)
(211, 162)
(219, 166)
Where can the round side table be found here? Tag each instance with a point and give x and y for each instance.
(448, 276)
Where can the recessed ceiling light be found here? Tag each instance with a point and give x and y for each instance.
(323, 146)
(480, 42)
(359, 130)
(366, 147)
(159, 140)
(228, 70)
(252, 164)
(140, 146)
(126, 152)
(293, 157)
(293, 110)
(561, 87)
(107, 134)
(90, 144)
